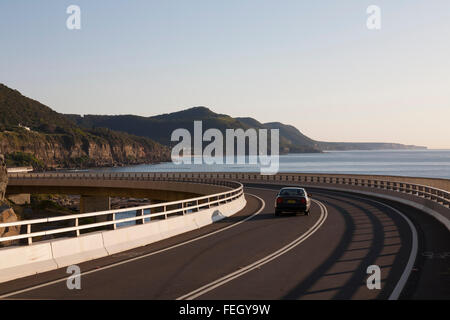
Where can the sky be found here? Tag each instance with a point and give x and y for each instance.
(312, 64)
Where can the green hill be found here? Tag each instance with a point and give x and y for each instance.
(159, 128)
(33, 134)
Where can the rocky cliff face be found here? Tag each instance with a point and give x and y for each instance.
(33, 134)
(56, 151)
(6, 213)
(3, 178)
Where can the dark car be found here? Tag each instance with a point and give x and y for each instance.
(292, 199)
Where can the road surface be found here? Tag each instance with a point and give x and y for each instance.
(256, 255)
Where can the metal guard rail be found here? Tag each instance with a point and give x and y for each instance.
(434, 194)
(439, 196)
(181, 207)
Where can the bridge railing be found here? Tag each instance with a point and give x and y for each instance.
(439, 196)
(434, 194)
(164, 210)
(424, 191)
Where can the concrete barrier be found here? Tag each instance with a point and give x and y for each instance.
(23, 261)
(136, 236)
(131, 237)
(177, 225)
(75, 250)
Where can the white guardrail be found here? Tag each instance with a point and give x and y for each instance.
(160, 210)
(434, 194)
(164, 210)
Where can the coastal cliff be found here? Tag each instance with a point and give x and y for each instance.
(7, 214)
(33, 134)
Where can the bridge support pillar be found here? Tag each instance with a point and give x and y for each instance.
(94, 203)
(97, 203)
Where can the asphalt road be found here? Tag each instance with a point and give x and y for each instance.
(255, 255)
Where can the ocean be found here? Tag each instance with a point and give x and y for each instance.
(413, 163)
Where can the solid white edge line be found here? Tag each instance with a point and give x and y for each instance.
(412, 258)
(263, 205)
(395, 294)
(236, 274)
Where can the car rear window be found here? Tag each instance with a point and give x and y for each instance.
(292, 192)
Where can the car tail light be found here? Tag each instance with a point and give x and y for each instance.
(279, 200)
(303, 200)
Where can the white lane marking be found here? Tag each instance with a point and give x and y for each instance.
(263, 205)
(219, 282)
(414, 248)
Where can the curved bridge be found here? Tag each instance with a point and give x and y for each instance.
(355, 222)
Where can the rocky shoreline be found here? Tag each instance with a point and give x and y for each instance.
(7, 213)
